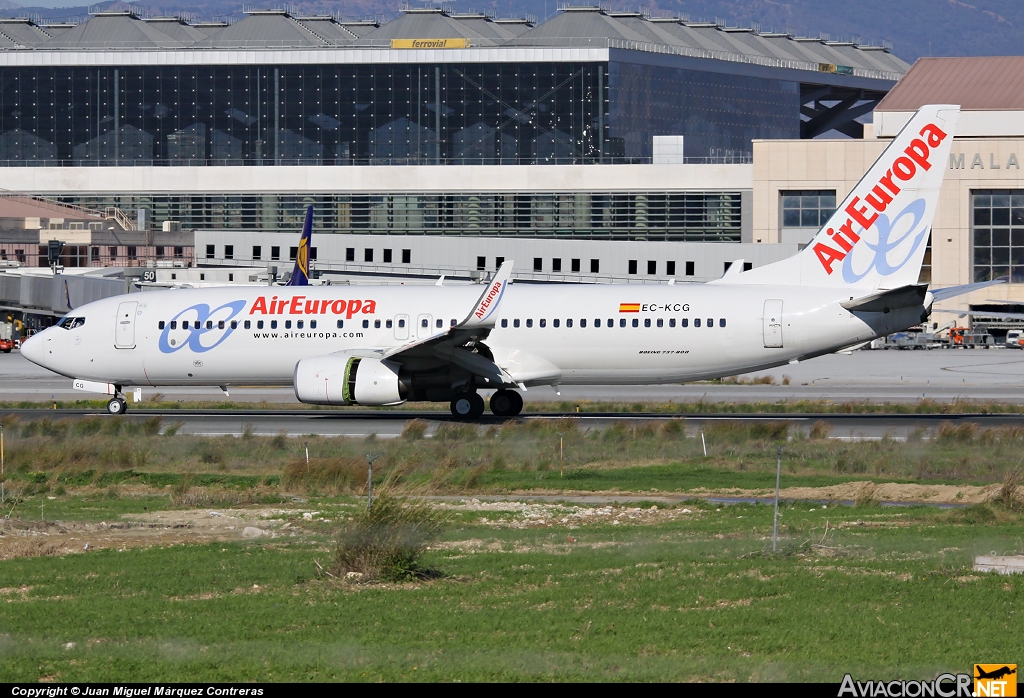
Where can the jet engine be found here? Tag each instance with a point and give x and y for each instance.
(347, 380)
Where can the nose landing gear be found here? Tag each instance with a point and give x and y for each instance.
(117, 405)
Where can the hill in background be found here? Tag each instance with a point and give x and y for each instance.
(914, 27)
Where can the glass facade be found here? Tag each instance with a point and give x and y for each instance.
(807, 208)
(711, 216)
(998, 232)
(718, 114)
(383, 114)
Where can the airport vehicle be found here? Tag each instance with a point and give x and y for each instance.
(970, 339)
(912, 340)
(375, 345)
(6, 337)
(1014, 339)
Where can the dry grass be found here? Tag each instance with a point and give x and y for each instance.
(321, 475)
(1012, 492)
(12, 546)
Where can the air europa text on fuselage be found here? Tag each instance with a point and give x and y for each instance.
(903, 169)
(299, 305)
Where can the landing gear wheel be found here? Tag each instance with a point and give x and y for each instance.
(506, 403)
(117, 405)
(467, 407)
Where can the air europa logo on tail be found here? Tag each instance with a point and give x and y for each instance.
(903, 169)
(298, 305)
(489, 300)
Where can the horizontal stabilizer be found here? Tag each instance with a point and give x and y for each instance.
(941, 294)
(885, 301)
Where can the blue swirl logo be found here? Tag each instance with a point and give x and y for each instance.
(199, 328)
(881, 262)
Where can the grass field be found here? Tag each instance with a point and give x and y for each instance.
(169, 590)
(664, 595)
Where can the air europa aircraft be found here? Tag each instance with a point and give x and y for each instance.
(374, 345)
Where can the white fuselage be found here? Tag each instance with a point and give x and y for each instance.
(544, 334)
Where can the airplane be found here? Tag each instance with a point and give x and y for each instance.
(378, 345)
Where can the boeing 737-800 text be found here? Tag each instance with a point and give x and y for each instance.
(382, 345)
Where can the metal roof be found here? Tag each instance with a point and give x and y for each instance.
(571, 28)
(984, 83)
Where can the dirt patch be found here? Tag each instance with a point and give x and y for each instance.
(522, 515)
(859, 491)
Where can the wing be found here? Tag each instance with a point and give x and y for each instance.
(462, 345)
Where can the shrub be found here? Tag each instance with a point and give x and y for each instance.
(1010, 493)
(820, 430)
(336, 475)
(414, 429)
(387, 542)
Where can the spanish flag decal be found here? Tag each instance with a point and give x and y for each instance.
(629, 307)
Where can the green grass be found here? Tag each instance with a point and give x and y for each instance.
(680, 600)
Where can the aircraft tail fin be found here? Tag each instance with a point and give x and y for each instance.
(877, 237)
(300, 274)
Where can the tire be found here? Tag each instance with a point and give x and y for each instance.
(506, 403)
(467, 407)
(117, 406)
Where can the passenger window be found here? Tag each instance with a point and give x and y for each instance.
(341, 323)
(622, 322)
(554, 323)
(543, 322)
(685, 322)
(312, 324)
(161, 325)
(529, 322)
(273, 324)
(401, 323)
(515, 323)
(597, 322)
(647, 322)
(454, 322)
(299, 324)
(174, 324)
(611, 323)
(248, 324)
(439, 323)
(661, 323)
(287, 324)
(504, 322)
(220, 324)
(721, 322)
(424, 322)
(388, 323)
(583, 322)
(696, 322)
(259, 324)
(636, 322)
(234, 324)
(376, 324)
(671, 322)
(568, 323)
(366, 324)
(711, 322)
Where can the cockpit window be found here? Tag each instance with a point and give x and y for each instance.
(70, 323)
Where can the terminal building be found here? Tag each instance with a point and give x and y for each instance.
(595, 146)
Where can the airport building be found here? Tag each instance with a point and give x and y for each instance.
(594, 146)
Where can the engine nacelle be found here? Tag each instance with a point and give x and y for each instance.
(346, 380)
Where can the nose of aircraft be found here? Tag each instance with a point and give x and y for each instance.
(33, 349)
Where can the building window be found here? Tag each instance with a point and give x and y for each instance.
(159, 251)
(293, 253)
(257, 252)
(132, 252)
(632, 266)
(595, 266)
(275, 253)
(998, 235)
(575, 266)
(387, 256)
(406, 256)
(538, 264)
(229, 251)
(368, 254)
(179, 252)
(94, 254)
(481, 263)
(670, 268)
(350, 254)
(690, 269)
(807, 208)
(556, 264)
(312, 253)
(498, 261)
(210, 253)
(652, 266)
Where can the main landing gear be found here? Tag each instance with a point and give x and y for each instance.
(469, 406)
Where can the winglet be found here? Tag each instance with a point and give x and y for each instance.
(482, 314)
(300, 275)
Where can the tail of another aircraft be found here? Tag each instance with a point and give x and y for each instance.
(300, 275)
(877, 237)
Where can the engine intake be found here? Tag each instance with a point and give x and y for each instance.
(344, 380)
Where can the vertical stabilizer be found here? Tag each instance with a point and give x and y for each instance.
(877, 237)
(300, 274)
